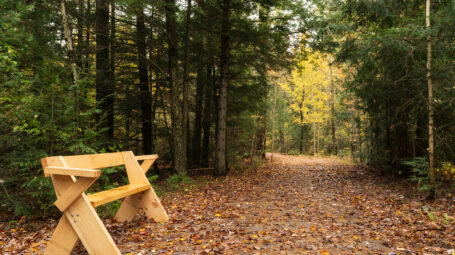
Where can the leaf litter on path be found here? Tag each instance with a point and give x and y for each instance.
(295, 205)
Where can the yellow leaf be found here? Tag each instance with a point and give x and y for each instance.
(217, 215)
(355, 237)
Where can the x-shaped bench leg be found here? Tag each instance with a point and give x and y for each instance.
(79, 220)
(147, 200)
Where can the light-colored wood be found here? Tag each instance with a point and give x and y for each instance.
(63, 239)
(80, 219)
(84, 220)
(133, 169)
(110, 195)
(147, 164)
(90, 161)
(146, 200)
(152, 206)
(144, 157)
(72, 171)
(79, 187)
(129, 208)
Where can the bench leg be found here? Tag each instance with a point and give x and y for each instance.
(84, 222)
(152, 206)
(130, 206)
(89, 227)
(63, 239)
(147, 200)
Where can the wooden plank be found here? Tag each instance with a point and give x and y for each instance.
(107, 196)
(74, 192)
(84, 220)
(91, 161)
(147, 164)
(133, 169)
(72, 171)
(143, 157)
(44, 165)
(63, 239)
(130, 206)
(152, 206)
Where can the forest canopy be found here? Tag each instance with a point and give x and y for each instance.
(215, 85)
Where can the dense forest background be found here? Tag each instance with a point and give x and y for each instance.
(215, 84)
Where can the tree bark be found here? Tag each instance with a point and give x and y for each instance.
(221, 143)
(87, 37)
(207, 121)
(104, 91)
(301, 131)
(75, 71)
(180, 156)
(146, 106)
(197, 132)
(430, 101)
(80, 34)
(185, 87)
(334, 147)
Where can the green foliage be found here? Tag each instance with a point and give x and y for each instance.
(420, 172)
(175, 181)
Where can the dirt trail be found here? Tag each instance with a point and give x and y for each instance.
(295, 205)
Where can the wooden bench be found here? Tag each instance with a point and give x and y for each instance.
(80, 220)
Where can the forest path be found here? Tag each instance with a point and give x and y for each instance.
(295, 205)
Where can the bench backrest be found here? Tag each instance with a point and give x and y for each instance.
(89, 161)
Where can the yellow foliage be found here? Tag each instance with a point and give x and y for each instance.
(309, 89)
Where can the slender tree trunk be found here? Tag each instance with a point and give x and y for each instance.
(104, 92)
(314, 138)
(197, 133)
(221, 143)
(301, 131)
(112, 48)
(80, 34)
(178, 133)
(282, 147)
(273, 120)
(207, 121)
(146, 108)
(166, 123)
(75, 71)
(334, 147)
(185, 87)
(430, 102)
(87, 37)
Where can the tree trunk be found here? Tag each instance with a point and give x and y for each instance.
(301, 131)
(430, 103)
(207, 121)
(185, 87)
(179, 142)
(104, 92)
(273, 120)
(72, 57)
(87, 37)
(146, 107)
(80, 34)
(334, 147)
(197, 133)
(221, 143)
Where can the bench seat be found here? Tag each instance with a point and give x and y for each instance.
(104, 197)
